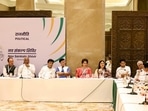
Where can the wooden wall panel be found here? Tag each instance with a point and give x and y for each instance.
(11, 14)
(107, 43)
(129, 38)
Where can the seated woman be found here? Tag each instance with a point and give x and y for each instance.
(84, 71)
(101, 71)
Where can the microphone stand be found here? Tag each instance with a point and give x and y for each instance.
(21, 72)
(21, 77)
(145, 102)
(133, 93)
(128, 84)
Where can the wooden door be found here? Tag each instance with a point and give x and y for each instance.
(129, 33)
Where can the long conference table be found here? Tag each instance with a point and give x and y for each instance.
(126, 101)
(72, 90)
(56, 90)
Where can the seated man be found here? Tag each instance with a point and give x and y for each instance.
(123, 70)
(10, 69)
(47, 71)
(26, 70)
(140, 73)
(62, 71)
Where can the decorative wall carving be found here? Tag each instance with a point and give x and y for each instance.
(138, 38)
(139, 23)
(124, 23)
(124, 37)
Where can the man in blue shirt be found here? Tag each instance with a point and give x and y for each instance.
(63, 71)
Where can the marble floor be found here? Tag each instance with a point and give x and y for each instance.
(48, 106)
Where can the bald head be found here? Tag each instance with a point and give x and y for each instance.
(140, 64)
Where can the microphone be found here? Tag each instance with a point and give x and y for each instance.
(145, 102)
(129, 84)
(62, 69)
(133, 93)
(21, 77)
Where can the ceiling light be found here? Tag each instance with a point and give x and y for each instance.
(55, 1)
(111, 3)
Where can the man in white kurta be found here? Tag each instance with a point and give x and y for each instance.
(123, 70)
(26, 70)
(140, 73)
(47, 71)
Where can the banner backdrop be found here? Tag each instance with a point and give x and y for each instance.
(37, 38)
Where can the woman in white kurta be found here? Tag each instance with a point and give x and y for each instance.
(102, 71)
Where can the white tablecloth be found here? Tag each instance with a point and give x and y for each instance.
(10, 89)
(128, 102)
(57, 90)
(135, 107)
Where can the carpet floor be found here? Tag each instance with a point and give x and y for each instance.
(48, 106)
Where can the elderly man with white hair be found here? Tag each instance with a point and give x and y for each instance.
(26, 70)
(140, 73)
